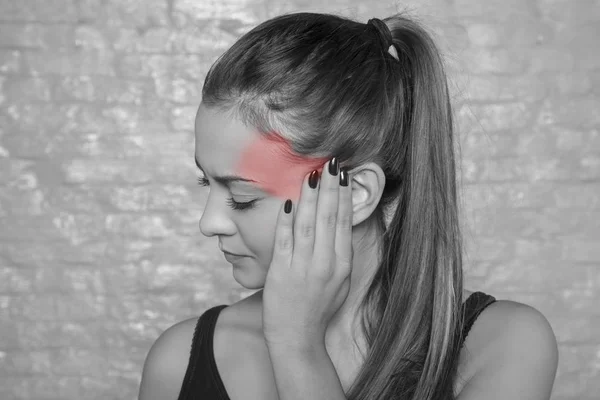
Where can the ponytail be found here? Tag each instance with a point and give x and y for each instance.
(417, 294)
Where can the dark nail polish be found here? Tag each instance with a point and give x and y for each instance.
(313, 179)
(343, 177)
(288, 206)
(333, 166)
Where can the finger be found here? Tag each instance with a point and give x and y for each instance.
(284, 239)
(326, 221)
(343, 235)
(304, 223)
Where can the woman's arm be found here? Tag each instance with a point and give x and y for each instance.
(523, 363)
(305, 373)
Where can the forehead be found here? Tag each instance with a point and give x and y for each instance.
(225, 146)
(219, 139)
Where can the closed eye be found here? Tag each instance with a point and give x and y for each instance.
(202, 181)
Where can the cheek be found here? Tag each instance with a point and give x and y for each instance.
(258, 229)
(274, 164)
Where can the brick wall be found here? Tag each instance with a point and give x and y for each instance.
(100, 248)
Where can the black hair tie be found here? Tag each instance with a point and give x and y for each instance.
(382, 30)
(384, 33)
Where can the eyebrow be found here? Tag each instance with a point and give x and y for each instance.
(226, 179)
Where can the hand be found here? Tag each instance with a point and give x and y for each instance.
(309, 275)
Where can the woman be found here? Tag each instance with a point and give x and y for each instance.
(362, 287)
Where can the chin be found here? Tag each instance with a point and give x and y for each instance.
(248, 279)
(251, 285)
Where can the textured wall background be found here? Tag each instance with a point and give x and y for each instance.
(100, 247)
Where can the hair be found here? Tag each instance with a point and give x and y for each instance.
(329, 86)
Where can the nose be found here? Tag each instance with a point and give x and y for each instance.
(215, 219)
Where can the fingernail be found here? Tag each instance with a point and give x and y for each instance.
(313, 179)
(343, 177)
(333, 166)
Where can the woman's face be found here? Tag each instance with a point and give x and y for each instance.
(224, 146)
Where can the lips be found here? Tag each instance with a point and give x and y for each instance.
(232, 254)
(228, 252)
(233, 258)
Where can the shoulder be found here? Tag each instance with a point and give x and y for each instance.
(166, 362)
(521, 329)
(168, 358)
(514, 351)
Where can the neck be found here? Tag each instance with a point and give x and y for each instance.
(345, 326)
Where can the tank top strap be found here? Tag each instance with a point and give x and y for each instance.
(201, 351)
(473, 306)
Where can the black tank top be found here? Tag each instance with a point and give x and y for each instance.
(202, 380)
